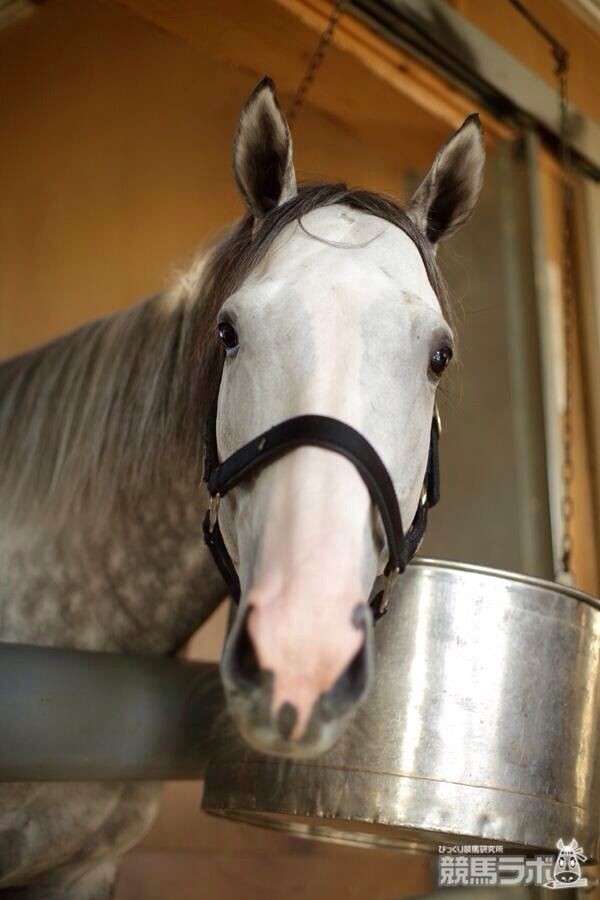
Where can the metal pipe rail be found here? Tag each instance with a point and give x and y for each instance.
(72, 715)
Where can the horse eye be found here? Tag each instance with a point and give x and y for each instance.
(440, 360)
(228, 336)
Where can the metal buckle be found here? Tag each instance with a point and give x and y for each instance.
(390, 578)
(437, 419)
(213, 511)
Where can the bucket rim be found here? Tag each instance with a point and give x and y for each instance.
(505, 574)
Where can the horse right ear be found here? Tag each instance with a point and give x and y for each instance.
(262, 152)
(448, 194)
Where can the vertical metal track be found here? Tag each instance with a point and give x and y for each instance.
(533, 513)
(554, 454)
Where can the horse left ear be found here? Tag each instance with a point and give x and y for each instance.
(448, 195)
(262, 152)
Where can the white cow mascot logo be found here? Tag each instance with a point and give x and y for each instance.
(567, 868)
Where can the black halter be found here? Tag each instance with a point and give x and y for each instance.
(321, 431)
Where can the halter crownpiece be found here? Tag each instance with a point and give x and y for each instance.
(331, 434)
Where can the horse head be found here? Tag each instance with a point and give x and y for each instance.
(343, 316)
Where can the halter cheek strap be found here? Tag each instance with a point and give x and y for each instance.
(331, 434)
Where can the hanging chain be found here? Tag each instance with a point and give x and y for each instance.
(315, 61)
(568, 290)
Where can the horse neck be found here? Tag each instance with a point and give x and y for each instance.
(99, 493)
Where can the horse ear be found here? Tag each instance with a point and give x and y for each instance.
(262, 152)
(448, 194)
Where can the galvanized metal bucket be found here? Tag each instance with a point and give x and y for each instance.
(483, 723)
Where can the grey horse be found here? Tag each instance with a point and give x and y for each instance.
(321, 299)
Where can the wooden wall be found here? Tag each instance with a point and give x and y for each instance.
(115, 157)
(584, 529)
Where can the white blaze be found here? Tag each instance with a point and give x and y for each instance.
(343, 333)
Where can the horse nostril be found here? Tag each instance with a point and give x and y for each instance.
(240, 656)
(286, 719)
(350, 687)
(248, 666)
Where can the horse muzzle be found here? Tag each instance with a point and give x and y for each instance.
(249, 690)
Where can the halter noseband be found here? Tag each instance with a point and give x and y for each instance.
(332, 434)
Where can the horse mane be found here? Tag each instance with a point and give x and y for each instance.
(108, 411)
